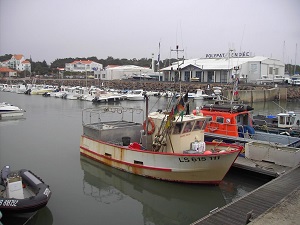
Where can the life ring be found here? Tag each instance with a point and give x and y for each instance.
(151, 122)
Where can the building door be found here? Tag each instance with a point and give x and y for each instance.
(210, 76)
(187, 76)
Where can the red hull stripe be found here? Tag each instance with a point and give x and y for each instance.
(126, 163)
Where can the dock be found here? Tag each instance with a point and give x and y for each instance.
(255, 207)
(260, 167)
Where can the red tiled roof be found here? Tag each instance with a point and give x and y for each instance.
(6, 70)
(18, 57)
(82, 61)
(25, 61)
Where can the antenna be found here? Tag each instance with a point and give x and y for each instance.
(177, 50)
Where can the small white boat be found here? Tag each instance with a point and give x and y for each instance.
(164, 147)
(7, 110)
(136, 95)
(39, 90)
(200, 95)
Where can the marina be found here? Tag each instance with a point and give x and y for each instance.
(46, 116)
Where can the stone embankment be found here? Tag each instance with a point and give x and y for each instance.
(293, 92)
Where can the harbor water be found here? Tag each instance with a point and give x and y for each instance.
(46, 142)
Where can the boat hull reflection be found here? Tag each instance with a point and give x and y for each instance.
(163, 202)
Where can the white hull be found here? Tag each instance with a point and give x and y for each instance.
(135, 98)
(11, 114)
(7, 110)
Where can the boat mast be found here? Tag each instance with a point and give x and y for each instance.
(158, 60)
(295, 60)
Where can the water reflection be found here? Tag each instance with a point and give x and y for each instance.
(11, 121)
(162, 202)
(43, 216)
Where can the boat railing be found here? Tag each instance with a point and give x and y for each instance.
(112, 123)
(111, 113)
(261, 123)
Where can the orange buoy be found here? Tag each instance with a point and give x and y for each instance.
(151, 122)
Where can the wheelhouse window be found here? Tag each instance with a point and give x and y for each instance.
(220, 119)
(281, 120)
(177, 128)
(188, 127)
(200, 125)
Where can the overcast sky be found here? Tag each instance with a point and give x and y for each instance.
(52, 29)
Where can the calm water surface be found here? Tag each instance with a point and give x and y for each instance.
(84, 192)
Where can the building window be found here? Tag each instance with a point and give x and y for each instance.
(276, 71)
(223, 76)
(187, 76)
(198, 75)
(270, 70)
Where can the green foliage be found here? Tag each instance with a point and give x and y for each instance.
(5, 57)
(40, 68)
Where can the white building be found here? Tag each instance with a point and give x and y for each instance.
(219, 68)
(83, 66)
(114, 72)
(17, 62)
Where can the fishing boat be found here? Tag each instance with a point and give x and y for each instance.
(232, 123)
(167, 145)
(22, 191)
(8, 110)
(284, 123)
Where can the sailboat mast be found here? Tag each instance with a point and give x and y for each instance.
(295, 60)
(158, 60)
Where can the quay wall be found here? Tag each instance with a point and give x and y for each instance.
(248, 93)
(260, 94)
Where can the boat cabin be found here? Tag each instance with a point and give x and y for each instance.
(180, 132)
(287, 120)
(227, 119)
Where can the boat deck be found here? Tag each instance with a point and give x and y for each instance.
(256, 202)
(113, 131)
